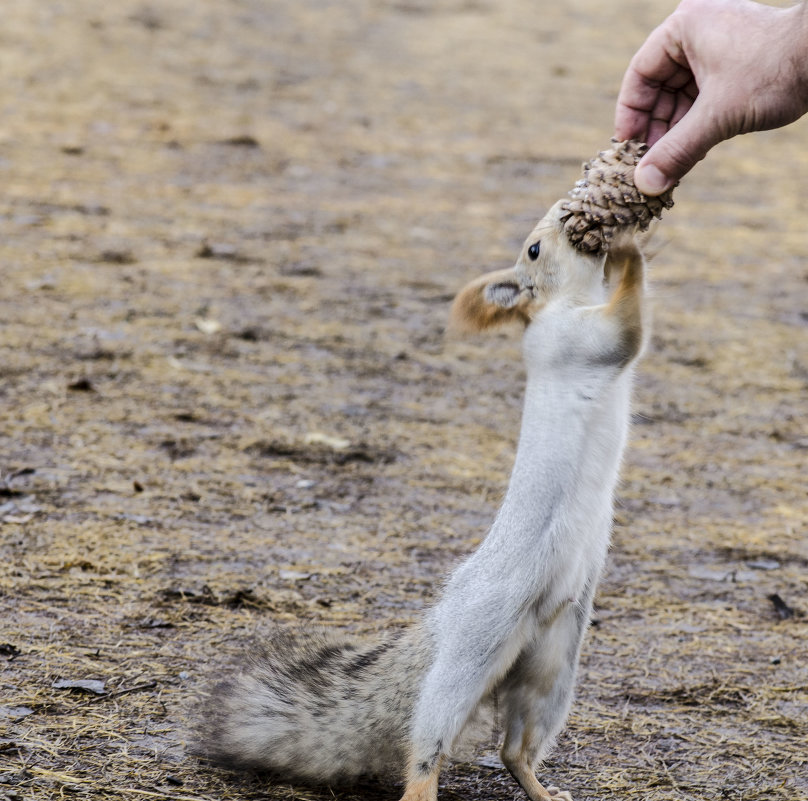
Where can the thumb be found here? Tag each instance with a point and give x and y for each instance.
(677, 152)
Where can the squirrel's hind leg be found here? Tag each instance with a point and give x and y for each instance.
(522, 770)
(422, 782)
(530, 728)
(536, 693)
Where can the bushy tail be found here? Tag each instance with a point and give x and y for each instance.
(319, 709)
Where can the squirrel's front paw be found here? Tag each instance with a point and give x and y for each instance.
(559, 795)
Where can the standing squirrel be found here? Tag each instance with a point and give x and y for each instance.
(508, 626)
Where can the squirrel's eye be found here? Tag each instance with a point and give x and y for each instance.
(533, 251)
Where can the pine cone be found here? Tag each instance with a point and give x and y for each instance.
(605, 199)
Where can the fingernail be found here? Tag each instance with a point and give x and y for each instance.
(651, 180)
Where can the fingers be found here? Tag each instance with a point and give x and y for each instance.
(671, 106)
(691, 84)
(657, 71)
(637, 98)
(664, 105)
(677, 151)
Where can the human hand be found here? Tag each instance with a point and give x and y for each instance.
(713, 69)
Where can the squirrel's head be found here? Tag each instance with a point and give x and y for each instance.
(548, 267)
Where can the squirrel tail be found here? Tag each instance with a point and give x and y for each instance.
(318, 708)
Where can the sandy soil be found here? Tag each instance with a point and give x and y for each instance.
(229, 234)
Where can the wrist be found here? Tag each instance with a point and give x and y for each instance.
(797, 54)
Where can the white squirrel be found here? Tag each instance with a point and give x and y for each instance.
(508, 626)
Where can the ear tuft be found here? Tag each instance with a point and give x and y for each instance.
(493, 299)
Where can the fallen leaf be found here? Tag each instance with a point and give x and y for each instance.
(293, 575)
(319, 438)
(96, 686)
(207, 326)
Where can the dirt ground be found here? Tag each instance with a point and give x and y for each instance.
(229, 234)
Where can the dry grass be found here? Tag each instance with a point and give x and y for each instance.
(226, 227)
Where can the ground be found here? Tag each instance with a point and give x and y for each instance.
(230, 233)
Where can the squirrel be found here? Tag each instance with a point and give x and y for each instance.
(507, 628)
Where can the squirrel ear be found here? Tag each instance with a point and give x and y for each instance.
(504, 294)
(493, 299)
